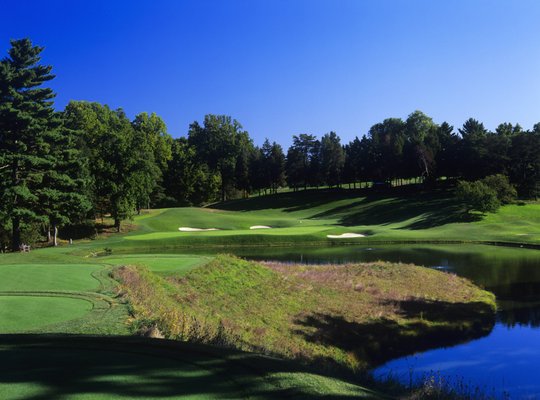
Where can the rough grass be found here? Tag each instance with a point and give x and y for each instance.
(353, 317)
(165, 264)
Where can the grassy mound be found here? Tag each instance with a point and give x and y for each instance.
(354, 316)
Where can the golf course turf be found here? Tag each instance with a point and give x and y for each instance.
(64, 304)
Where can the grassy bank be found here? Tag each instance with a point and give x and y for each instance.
(352, 317)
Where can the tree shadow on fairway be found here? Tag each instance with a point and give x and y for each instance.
(291, 201)
(434, 324)
(422, 209)
(57, 367)
(426, 210)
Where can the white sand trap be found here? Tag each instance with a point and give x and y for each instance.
(187, 229)
(260, 227)
(345, 236)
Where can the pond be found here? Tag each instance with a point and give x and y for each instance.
(506, 363)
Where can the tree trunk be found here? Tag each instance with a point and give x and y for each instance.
(16, 233)
(117, 223)
(48, 234)
(55, 235)
(15, 221)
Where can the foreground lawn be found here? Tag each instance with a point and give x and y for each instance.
(28, 313)
(43, 367)
(47, 277)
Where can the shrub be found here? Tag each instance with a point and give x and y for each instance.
(477, 196)
(506, 193)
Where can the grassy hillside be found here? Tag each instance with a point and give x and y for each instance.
(309, 216)
(354, 316)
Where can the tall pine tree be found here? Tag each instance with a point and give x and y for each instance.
(64, 195)
(27, 122)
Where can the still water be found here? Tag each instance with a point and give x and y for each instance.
(506, 363)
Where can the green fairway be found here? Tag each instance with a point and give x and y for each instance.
(160, 263)
(47, 277)
(27, 313)
(310, 216)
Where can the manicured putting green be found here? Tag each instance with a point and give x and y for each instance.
(160, 263)
(25, 313)
(47, 277)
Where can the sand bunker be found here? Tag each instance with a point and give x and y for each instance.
(345, 236)
(187, 229)
(260, 227)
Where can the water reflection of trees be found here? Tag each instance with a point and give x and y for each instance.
(522, 314)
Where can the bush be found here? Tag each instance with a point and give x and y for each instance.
(506, 193)
(477, 196)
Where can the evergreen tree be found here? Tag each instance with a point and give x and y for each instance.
(276, 167)
(332, 159)
(63, 196)
(446, 160)
(266, 155)
(303, 162)
(525, 163)
(472, 152)
(27, 122)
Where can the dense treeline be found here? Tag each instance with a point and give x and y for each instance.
(89, 161)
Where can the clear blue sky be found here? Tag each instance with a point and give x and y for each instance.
(284, 67)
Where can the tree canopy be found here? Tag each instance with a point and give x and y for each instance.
(88, 161)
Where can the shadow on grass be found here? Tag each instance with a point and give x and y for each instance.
(434, 324)
(291, 201)
(426, 209)
(54, 367)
